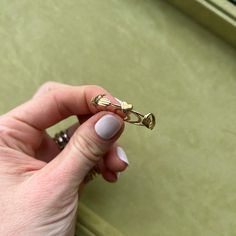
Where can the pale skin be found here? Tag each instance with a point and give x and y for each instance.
(40, 186)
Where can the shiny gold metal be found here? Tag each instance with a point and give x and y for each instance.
(100, 100)
(132, 116)
(91, 175)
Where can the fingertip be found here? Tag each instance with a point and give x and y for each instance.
(110, 176)
(122, 155)
(116, 159)
(108, 126)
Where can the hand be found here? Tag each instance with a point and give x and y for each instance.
(40, 185)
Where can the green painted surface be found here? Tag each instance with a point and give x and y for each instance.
(219, 16)
(181, 180)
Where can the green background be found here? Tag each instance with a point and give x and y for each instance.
(181, 178)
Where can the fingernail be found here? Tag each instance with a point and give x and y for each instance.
(121, 154)
(118, 100)
(107, 126)
(118, 175)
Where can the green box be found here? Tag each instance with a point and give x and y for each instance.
(217, 15)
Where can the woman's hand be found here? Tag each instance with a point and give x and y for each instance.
(40, 185)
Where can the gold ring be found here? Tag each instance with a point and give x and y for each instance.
(131, 116)
(91, 175)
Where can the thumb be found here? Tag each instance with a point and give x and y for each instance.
(86, 147)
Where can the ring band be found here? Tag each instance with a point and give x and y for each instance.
(131, 116)
(61, 139)
(92, 174)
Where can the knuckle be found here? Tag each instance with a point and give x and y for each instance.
(47, 86)
(8, 134)
(89, 148)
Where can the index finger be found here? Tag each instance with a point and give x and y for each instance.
(45, 111)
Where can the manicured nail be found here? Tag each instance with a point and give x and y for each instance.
(107, 127)
(121, 154)
(118, 100)
(118, 175)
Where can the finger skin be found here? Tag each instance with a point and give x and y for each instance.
(48, 87)
(25, 125)
(42, 112)
(81, 154)
(113, 162)
(41, 197)
(108, 166)
(110, 176)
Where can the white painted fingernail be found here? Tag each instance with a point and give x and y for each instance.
(118, 175)
(118, 100)
(107, 127)
(121, 154)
